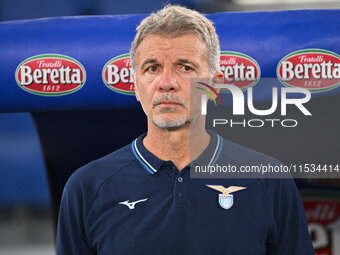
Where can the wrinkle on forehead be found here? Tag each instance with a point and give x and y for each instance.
(189, 44)
(167, 38)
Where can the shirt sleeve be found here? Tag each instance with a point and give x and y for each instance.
(71, 234)
(289, 232)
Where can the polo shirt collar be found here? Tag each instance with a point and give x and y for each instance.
(149, 161)
(212, 153)
(152, 164)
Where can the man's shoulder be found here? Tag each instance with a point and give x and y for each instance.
(242, 155)
(95, 173)
(273, 187)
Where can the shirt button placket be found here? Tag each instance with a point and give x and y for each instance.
(179, 186)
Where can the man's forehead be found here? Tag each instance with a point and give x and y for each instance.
(187, 46)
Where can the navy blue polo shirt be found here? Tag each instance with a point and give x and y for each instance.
(131, 202)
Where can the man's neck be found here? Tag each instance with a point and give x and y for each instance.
(176, 144)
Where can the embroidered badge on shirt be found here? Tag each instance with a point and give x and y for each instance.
(225, 199)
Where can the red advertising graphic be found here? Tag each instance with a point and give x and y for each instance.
(324, 225)
(50, 75)
(117, 75)
(239, 69)
(314, 69)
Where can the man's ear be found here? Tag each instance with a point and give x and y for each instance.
(136, 88)
(218, 79)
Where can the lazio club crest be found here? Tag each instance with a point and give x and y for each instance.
(226, 200)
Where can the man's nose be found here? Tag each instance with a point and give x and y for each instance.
(168, 81)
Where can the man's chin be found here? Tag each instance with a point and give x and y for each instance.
(171, 124)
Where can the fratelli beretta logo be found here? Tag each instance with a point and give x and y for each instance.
(239, 69)
(117, 75)
(50, 75)
(313, 69)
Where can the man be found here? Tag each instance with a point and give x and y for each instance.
(141, 200)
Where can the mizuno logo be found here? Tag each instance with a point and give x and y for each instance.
(131, 205)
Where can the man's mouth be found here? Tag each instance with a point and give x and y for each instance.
(168, 100)
(168, 103)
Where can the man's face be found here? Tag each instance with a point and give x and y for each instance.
(164, 67)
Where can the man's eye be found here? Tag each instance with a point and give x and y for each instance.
(152, 68)
(186, 68)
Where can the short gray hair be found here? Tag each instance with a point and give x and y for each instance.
(173, 21)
